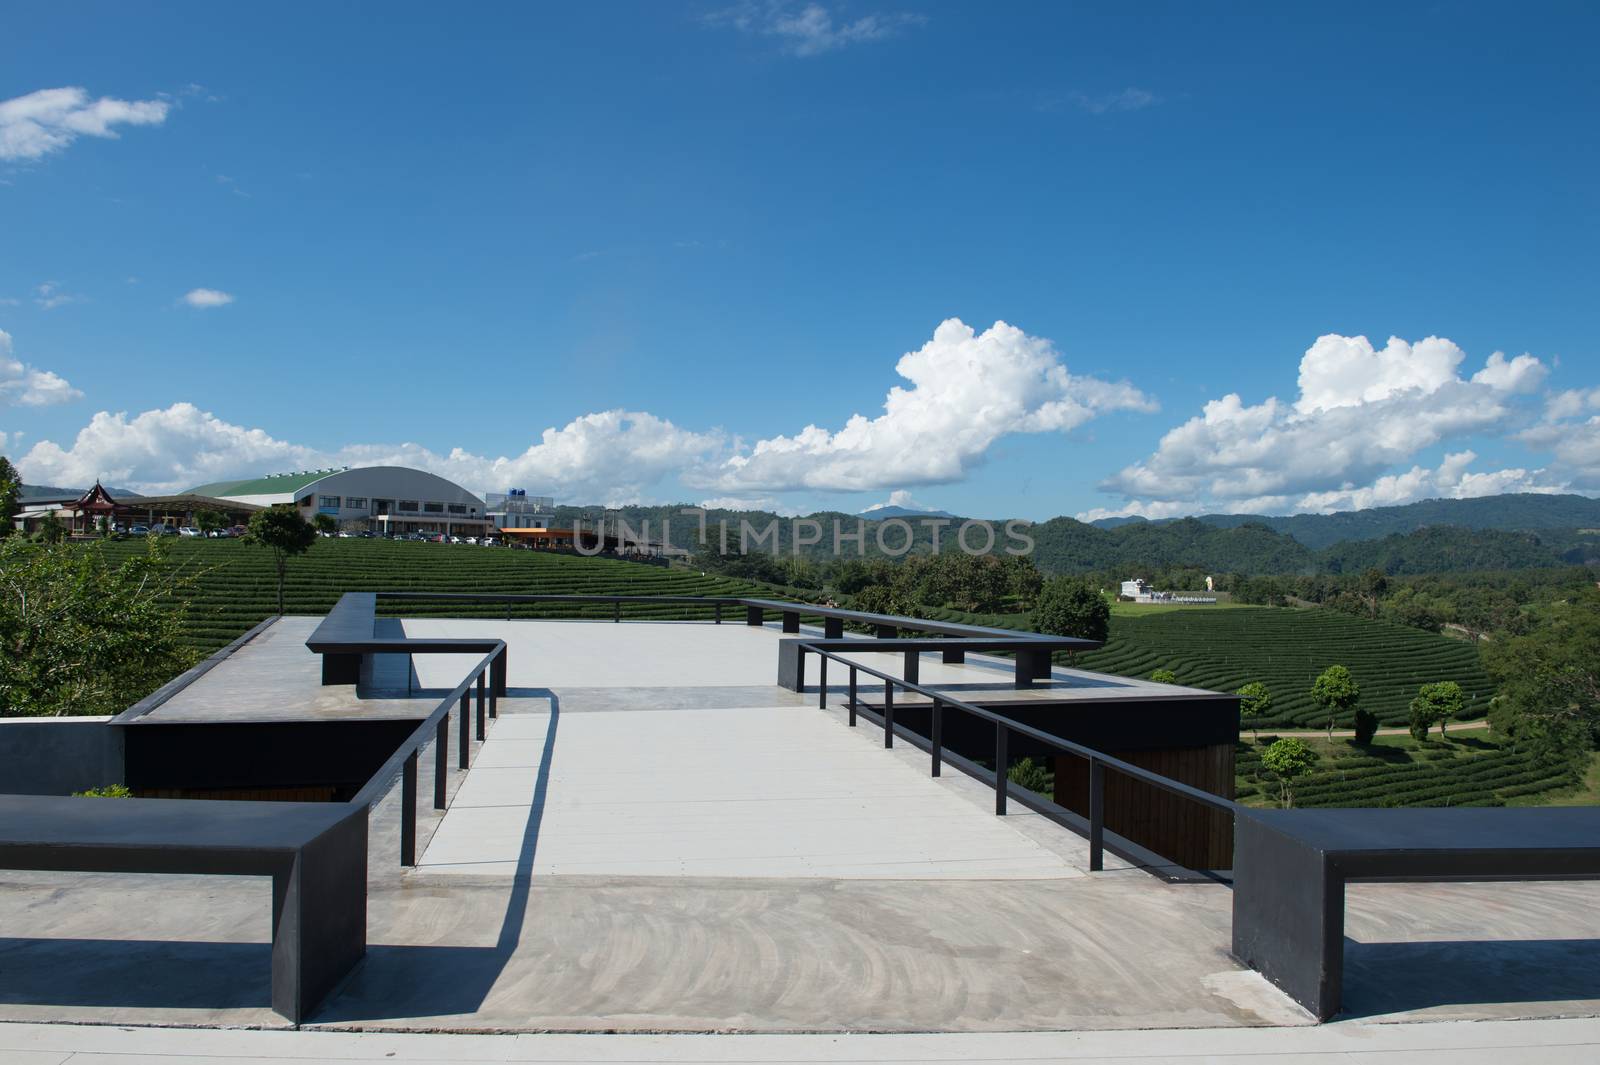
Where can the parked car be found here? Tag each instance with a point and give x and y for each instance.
(189, 530)
(489, 541)
(237, 530)
(139, 530)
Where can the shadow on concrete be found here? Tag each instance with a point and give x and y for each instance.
(403, 980)
(158, 974)
(1382, 978)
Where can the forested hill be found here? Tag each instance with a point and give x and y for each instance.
(1523, 512)
(1444, 549)
(1063, 545)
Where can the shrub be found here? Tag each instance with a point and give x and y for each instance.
(106, 791)
(1032, 775)
(1164, 676)
(1366, 726)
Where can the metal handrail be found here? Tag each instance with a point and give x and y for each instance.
(1004, 726)
(404, 759)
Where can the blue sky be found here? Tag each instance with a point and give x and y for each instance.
(624, 252)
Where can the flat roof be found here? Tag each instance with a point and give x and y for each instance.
(657, 838)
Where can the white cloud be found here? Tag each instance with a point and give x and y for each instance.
(1571, 432)
(967, 391)
(810, 29)
(207, 297)
(1135, 509)
(611, 456)
(1450, 480)
(24, 386)
(897, 498)
(49, 120)
(49, 296)
(770, 503)
(1129, 99)
(1359, 412)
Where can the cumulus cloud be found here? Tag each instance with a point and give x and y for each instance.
(49, 120)
(810, 29)
(611, 456)
(967, 391)
(1570, 430)
(1360, 411)
(24, 386)
(897, 498)
(207, 297)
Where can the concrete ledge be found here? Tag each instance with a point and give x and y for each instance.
(58, 755)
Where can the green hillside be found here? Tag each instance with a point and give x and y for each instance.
(1286, 649)
(234, 584)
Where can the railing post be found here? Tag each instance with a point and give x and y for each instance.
(408, 810)
(1000, 760)
(1097, 815)
(616, 610)
(852, 696)
(822, 682)
(480, 706)
(718, 612)
(888, 713)
(936, 734)
(466, 733)
(441, 759)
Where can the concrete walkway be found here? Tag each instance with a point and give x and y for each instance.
(1554, 1042)
(767, 791)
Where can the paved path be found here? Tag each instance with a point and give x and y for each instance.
(765, 791)
(1555, 1042)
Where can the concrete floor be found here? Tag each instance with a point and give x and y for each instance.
(562, 943)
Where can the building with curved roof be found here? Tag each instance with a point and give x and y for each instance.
(386, 499)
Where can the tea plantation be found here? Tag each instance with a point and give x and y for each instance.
(1462, 771)
(1286, 649)
(1223, 649)
(234, 585)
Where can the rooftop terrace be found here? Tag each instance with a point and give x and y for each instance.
(654, 836)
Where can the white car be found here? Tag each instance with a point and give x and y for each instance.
(189, 530)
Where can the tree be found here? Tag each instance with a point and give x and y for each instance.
(80, 636)
(1164, 676)
(1070, 606)
(51, 531)
(1336, 692)
(325, 524)
(286, 534)
(10, 496)
(1255, 699)
(1549, 679)
(1434, 704)
(209, 521)
(1286, 759)
(1373, 585)
(1366, 726)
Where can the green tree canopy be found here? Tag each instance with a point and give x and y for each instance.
(10, 496)
(1287, 759)
(79, 636)
(1434, 705)
(1336, 692)
(1164, 676)
(1549, 679)
(286, 534)
(1070, 606)
(1255, 699)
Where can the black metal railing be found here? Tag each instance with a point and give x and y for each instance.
(436, 726)
(1004, 727)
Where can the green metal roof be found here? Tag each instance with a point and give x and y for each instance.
(272, 484)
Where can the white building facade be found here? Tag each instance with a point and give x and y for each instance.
(382, 499)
